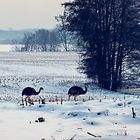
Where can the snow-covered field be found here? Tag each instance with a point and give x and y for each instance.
(6, 47)
(98, 115)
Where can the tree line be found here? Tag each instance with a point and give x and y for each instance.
(46, 40)
(109, 31)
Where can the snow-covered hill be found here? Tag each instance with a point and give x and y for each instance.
(98, 115)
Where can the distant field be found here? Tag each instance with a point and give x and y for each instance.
(55, 71)
(6, 47)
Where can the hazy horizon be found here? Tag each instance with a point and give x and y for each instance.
(23, 14)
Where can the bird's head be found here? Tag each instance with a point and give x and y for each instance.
(86, 84)
(41, 88)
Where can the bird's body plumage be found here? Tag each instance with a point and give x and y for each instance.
(76, 91)
(29, 91)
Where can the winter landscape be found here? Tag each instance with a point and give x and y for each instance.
(70, 70)
(97, 115)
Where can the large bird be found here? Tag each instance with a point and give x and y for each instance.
(76, 91)
(29, 91)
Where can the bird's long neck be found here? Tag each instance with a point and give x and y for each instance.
(85, 91)
(38, 91)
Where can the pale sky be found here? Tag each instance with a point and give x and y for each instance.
(21, 14)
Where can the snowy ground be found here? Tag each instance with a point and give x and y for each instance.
(6, 47)
(99, 115)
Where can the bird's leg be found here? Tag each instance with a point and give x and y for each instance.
(22, 101)
(30, 101)
(43, 101)
(40, 99)
(26, 100)
(69, 97)
(74, 98)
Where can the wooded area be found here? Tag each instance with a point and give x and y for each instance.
(110, 32)
(47, 40)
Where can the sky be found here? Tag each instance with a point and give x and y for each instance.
(22, 14)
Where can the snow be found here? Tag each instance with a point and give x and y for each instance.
(98, 115)
(6, 47)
